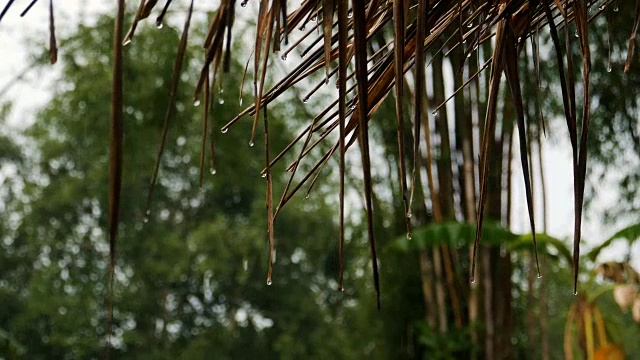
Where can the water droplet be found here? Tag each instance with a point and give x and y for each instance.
(212, 170)
(464, 41)
(126, 41)
(539, 276)
(224, 130)
(575, 292)
(341, 288)
(473, 280)
(244, 3)
(469, 55)
(145, 220)
(251, 143)
(240, 100)
(470, 24)
(269, 282)
(314, 18)
(245, 264)
(350, 14)
(147, 214)
(305, 100)
(196, 102)
(609, 68)
(221, 101)
(159, 24)
(264, 175)
(577, 35)
(409, 236)
(306, 196)
(302, 28)
(353, 107)
(409, 214)
(284, 57)
(603, 6)
(615, 8)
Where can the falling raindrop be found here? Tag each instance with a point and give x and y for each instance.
(251, 143)
(224, 130)
(212, 170)
(196, 102)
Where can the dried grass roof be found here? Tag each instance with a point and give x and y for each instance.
(346, 27)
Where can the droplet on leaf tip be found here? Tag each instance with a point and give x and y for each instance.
(212, 170)
(159, 24)
(284, 57)
(251, 143)
(224, 130)
(264, 175)
(409, 236)
(341, 288)
(196, 102)
(269, 282)
(126, 41)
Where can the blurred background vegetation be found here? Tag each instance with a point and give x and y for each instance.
(190, 281)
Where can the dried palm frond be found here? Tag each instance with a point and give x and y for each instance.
(417, 26)
(410, 28)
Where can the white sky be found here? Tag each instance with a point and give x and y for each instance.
(17, 32)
